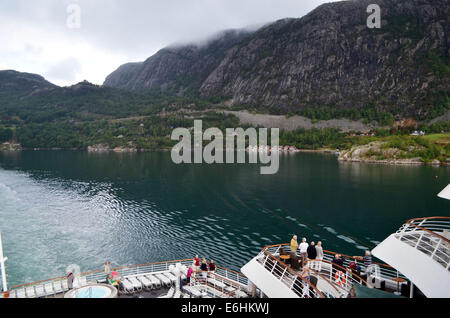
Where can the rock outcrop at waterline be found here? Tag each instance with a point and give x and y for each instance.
(381, 152)
(327, 58)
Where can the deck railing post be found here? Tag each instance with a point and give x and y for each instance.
(435, 249)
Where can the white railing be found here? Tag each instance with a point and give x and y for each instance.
(386, 272)
(286, 275)
(346, 278)
(53, 286)
(430, 235)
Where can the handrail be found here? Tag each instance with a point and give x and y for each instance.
(98, 271)
(356, 259)
(428, 218)
(346, 270)
(225, 279)
(333, 253)
(341, 268)
(291, 271)
(203, 281)
(230, 270)
(323, 277)
(411, 223)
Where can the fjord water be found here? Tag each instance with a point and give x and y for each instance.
(63, 208)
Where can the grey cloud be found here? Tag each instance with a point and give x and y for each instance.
(66, 70)
(136, 29)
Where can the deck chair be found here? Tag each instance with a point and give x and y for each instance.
(170, 276)
(155, 281)
(137, 285)
(164, 280)
(195, 292)
(146, 283)
(127, 286)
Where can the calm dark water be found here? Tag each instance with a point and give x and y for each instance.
(62, 208)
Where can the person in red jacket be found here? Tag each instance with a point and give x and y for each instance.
(196, 263)
(212, 266)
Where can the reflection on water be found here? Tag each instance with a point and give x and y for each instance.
(61, 208)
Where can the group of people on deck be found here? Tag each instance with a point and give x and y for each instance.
(308, 252)
(312, 256)
(200, 267)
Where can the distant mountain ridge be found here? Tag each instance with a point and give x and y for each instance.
(328, 58)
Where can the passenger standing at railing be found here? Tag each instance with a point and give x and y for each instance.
(312, 254)
(367, 259)
(212, 266)
(70, 279)
(304, 251)
(294, 247)
(338, 263)
(311, 250)
(189, 274)
(196, 264)
(107, 270)
(319, 251)
(204, 268)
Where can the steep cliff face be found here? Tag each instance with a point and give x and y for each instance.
(327, 58)
(178, 67)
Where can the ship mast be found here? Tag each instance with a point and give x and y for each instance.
(2, 264)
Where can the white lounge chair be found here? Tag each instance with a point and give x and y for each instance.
(164, 280)
(146, 283)
(170, 276)
(137, 285)
(193, 291)
(127, 286)
(155, 281)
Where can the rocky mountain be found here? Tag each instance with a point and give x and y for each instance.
(177, 67)
(13, 82)
(326, 59)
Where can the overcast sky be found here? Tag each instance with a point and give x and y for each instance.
(37, 38)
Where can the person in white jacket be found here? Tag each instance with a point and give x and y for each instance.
(304, 251)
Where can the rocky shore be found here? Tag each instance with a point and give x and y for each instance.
(374, 152)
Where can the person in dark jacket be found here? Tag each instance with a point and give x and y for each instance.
(312, 252)
(338, 260)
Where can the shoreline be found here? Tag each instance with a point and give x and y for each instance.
(392, 162)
